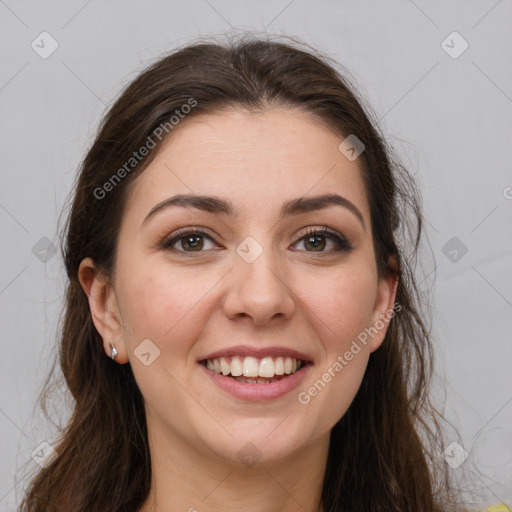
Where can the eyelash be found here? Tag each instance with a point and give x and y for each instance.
(341, 242)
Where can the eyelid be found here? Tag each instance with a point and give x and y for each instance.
(171, 239)
(320, 229)
(341, 241)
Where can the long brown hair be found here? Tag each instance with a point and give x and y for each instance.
(384, 452)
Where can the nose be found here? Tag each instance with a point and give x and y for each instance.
(259, 290)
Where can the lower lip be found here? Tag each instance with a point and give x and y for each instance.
(257, 392)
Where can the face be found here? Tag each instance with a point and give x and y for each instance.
(272, 279)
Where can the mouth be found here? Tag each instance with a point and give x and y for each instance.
(256, 370)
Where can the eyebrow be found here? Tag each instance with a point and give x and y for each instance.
(216, 205)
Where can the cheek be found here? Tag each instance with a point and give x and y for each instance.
(342, 307)
(169, 310)
(342, 304)
(164, 307)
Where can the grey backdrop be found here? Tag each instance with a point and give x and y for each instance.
(446, 108)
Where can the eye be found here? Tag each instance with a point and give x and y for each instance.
(190, 240)
(315, 238)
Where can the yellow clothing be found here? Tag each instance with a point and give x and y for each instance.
(499, 508)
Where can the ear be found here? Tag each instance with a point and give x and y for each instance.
(385, 308)
(104, 309)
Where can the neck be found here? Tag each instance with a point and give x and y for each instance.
(185, 479)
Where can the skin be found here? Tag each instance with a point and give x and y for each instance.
(191, 306)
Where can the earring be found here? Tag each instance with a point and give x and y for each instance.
(113, 354)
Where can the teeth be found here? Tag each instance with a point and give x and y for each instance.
(252, 367)
(236, 366)
(279, 366)
(259, 380)
(224, 366)
(266, 368)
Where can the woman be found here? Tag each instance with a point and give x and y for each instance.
(242, 328)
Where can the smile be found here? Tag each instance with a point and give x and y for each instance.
(253, 370)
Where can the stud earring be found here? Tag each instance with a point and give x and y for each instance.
(113, 354)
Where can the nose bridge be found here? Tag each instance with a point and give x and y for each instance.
(259, 289)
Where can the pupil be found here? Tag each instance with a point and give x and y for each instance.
(193, 244)
(315, 244)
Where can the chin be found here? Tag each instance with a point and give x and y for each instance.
(270, 442)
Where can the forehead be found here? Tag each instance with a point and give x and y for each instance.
(255, 159)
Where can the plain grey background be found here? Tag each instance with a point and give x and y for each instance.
(448, 112)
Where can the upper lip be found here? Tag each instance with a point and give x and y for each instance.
(259, 352)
